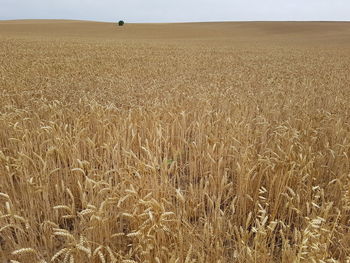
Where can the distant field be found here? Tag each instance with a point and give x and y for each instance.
(320, 33)
(198, 142)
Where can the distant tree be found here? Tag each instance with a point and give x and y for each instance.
(121, 23)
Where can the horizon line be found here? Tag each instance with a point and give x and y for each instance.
(172, 22)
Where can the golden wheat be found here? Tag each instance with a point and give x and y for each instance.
(214, 144)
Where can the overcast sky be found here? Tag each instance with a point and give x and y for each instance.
(177, 10)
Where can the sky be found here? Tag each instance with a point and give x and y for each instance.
(134, 11)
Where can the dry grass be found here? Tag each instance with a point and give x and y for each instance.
(226, 146)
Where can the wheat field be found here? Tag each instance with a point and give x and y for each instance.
(174, 143)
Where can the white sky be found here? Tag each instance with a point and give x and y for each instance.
(177, 10)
